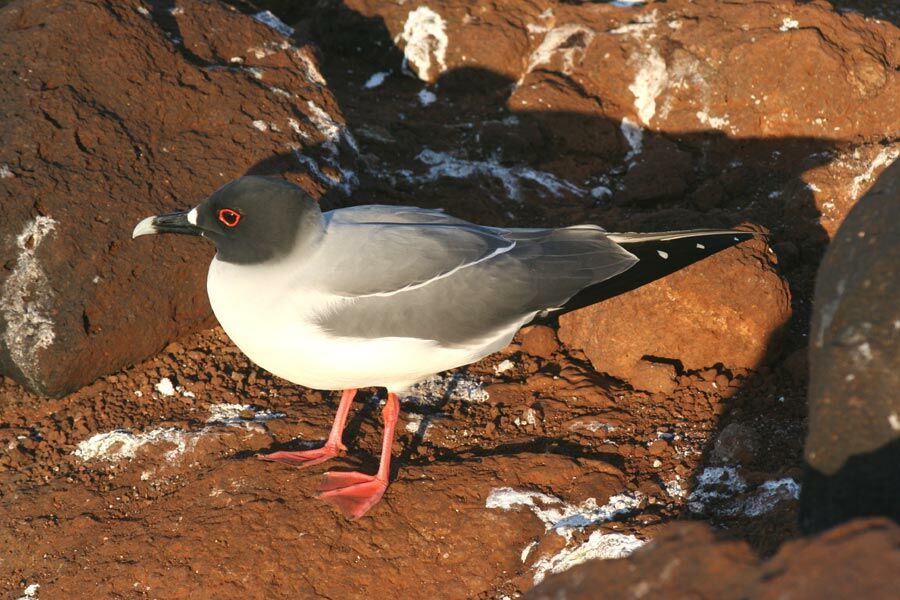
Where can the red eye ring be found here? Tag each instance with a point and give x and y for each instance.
(229, 218)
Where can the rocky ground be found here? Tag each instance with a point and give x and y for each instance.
(144, 482)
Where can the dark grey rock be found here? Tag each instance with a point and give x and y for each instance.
(854, 404)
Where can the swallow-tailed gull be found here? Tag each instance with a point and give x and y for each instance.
(384, 296)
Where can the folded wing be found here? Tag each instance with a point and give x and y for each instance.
(454, 282)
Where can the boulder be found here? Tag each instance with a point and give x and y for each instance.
(711, 77)
(653, 102)
(857, 560)
(440, 37)
(853, 445)
(727, 309)
(113, 112)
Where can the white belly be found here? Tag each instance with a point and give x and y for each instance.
(275, 327)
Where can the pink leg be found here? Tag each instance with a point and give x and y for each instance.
(333, 445)
(355, 493)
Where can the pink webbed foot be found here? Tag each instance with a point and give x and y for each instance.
(304, 458)
(351, 492)
(333, 446)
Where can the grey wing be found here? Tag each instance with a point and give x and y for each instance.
(362, 259)
(540, 272)
(380, 213)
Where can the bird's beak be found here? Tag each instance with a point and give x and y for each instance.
(178, 222)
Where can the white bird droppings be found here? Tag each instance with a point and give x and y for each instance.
(438, 389)
(650, 81)
(701, 246)
(424, 38)
(270, 20)
(115, 445)
(592, 426)
(864, 350)
(327, 126)
(674, 489)
(376, 80)
(427, 97)
(312, 71)
(662, 254)
(634, 135)
(651, 74)
(714, 122)
(894, 421)
(715, 483)
(598, 546)
(504, 366)
(118, 444)
(788, 23)
(234, 414)
(570, 41)
(165, 387)
(30, 593)
(414, 423)
(26, 301)
(600, 192)
(722, 491)
(768, 495)
(563, 519)
(442, 164)
(883, 158)
(294, 124)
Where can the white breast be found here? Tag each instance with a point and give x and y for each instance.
(272, 320)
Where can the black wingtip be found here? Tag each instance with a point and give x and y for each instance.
(658, 256)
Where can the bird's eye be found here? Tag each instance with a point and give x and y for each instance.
(229, 218)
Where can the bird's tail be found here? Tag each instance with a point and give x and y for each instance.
(659, 254)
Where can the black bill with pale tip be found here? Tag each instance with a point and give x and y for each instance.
(177, 222)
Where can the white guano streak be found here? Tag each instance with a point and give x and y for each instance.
(424, 35)
(562, 40)
(26, 301)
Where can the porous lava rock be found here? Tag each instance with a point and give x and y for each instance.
(853, 445)
(442, 37)
(857, 560)
(727, 309)
(595, 86)
(113, 112)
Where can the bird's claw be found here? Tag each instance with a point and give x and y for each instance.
(304, 458)
(351, 492)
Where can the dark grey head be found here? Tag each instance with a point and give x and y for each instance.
(251, 220)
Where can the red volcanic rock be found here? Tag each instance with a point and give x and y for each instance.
(654, 377)
(438, 37)
(857, 560)
(726, 309)
(539, 340)
(696, 66)
(593, 85)
(113, 113)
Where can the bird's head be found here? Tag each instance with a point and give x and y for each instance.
(251, 220)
